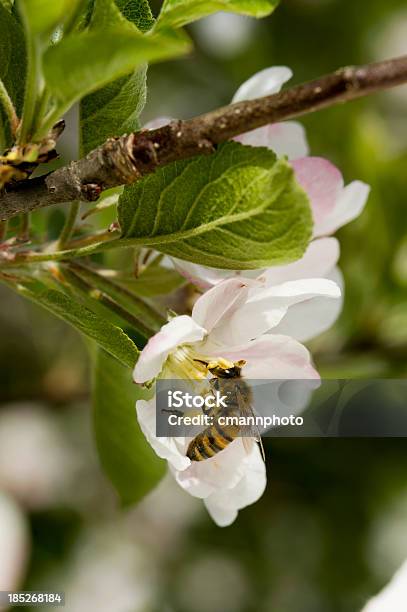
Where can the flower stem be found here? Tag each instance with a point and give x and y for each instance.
(133, 303)
(8, 106)
(38, 132)
(84, 241)
(106, 301)
(31, 93)
(69, 226)
(26, 258)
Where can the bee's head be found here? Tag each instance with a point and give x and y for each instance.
(224, 370)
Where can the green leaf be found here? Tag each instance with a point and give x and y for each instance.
(105, 13)
(43, 21)
(177, 13)
(90, 60)
(154, 280)
(108, 336)
(12, 57)
(135, 13)
(239, 208)
(125, 455)
(138, 12)
(43, 16)
(115, 109)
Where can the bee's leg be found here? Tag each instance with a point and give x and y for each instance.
(214, 383)
(213, 410)
(204, 408)
(207, 410)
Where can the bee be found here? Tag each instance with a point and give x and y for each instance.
(228, 381)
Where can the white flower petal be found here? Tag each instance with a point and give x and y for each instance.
(171, 449)
(285, 139)
(312, 317)
(319, 260)
(349, 205)
(217, 304)
(201, 276)
(205, 277)
(264, 83)
(273, 357)
(220, 472)
(192, 483)
(266, 307)
(179, 330)
(323, 183)
(224, 504)
(221, 514)
(333, 205)
(227, 482)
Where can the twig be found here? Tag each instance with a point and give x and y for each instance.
(24, 258)
(124, 160)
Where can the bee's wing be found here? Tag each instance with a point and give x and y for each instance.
(248, 431)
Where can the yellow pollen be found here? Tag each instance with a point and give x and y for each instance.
(221, 363)
(183, 363)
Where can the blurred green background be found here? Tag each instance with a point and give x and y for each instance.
(330, 529)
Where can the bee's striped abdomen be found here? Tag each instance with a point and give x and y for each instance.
(208, 443)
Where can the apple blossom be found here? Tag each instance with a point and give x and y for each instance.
(230, 321)
(333, 205)
(256, 315)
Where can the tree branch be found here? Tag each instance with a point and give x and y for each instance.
(124, 160)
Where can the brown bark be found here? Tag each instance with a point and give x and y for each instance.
(124, 160)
